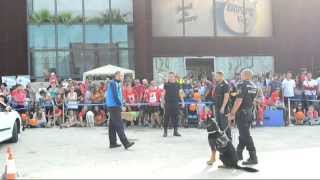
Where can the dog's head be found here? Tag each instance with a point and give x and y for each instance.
(220, 137)
(212, 126)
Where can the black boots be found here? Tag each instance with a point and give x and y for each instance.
(175, 132)
(239, 154)
(165, 134)
(253, 160)
(127, 146)
(114, 146)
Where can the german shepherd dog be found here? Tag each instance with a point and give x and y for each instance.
(228, 154)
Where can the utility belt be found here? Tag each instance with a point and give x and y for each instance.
(245, 111)
(245, 114)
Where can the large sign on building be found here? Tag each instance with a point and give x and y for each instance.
(239, 17)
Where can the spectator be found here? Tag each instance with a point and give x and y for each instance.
(299, 114)
(53, 79)
(288, 86)
(53, 91)
(312, 116)
(19, 96)
(153, 96)
(188, 89)
(310, 89)
(4, 90)
(275, 84)
(72, 99)
(40, 117)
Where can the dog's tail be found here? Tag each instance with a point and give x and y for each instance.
(248, 169)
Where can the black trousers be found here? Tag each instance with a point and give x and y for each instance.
(223, 125)
(244, 119)
(116, 127)
(171, 113)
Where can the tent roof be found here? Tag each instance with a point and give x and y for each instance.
(106, 70)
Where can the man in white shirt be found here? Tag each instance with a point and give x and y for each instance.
(288, 85)
(310, 89)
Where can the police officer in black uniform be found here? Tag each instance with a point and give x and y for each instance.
(242, 113)
(171, 104)
(221, 98)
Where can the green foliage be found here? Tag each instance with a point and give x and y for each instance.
(114, 16)
(46, 17)
(41, 17)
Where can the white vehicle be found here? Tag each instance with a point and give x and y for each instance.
(10, 125)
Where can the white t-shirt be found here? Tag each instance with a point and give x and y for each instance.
(310, 87)
(288, 87)
(318, 81)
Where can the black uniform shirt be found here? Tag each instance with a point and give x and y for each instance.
(172, 93)
(247, 91)
(221, 89)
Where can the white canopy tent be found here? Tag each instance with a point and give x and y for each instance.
(106, 71)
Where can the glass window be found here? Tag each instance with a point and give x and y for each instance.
(69, 11)
(96, 33)
(69, 34)
(122, 11)
(230, 17)
(41, 11)
(43, 62)
(163, 65)
(63, 64)
(38, 5)
(96, 11)
(234, 65)
(167, 18)
(198, 18)
(126, 58)
(258, 18)
(41, 36)
(120, 35)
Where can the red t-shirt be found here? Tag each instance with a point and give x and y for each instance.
(275, 97)
(313, 114)
(153, 95)
(53, 79)
(139, 91)
(130, 96)
(19, 96)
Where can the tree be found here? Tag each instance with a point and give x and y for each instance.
(41, 17)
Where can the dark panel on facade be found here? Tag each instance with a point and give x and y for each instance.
(13, 37)
(143, 37)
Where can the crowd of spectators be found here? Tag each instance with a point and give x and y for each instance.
(66, 103)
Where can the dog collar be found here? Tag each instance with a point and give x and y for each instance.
(212, 132)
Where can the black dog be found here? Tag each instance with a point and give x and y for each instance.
(228, 154)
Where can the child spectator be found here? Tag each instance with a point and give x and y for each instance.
(299, 115)
(312, 116)
(39, 119)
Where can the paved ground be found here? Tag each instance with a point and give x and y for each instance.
(81, 153)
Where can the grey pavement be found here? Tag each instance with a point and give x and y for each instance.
(81, 153)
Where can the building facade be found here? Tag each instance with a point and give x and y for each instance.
(70, 37)
(205, 35)
(157, 36)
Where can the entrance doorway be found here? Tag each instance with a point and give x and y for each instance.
(199, 67)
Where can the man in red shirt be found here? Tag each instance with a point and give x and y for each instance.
(53, 79)
(139, 91)
(130, 97)
(153, 97)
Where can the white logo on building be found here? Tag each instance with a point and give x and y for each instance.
(236, 15)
